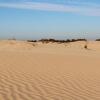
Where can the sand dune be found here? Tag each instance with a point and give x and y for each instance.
(49, 71)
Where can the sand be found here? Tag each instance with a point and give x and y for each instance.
(36, 71)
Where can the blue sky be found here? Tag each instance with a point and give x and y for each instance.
(33, 19)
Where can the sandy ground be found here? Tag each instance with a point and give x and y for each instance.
(36, 71)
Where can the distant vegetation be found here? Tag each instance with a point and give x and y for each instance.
(31, 40)
(56, 41)
(97, 39)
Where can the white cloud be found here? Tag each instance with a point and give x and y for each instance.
(87, 9)
(40, 6)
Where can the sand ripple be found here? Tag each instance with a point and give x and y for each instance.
(21, 86)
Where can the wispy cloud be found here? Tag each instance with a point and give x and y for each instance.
(73, 7)
(40, 6)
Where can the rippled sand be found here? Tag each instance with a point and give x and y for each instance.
(49, 71)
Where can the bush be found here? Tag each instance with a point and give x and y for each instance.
(85, 46)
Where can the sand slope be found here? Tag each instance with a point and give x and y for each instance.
(49, 71)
